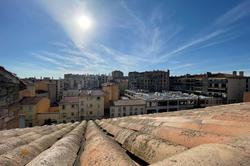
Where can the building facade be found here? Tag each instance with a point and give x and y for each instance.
(30, 107)
(153, 81)
(229, 87)
(91, 104)
(69, 109)
(117, 74)
(112, 93)
(77, 81)
(127, 108)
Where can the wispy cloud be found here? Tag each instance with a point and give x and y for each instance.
(220, 31)
(235, 14)
(149, 39)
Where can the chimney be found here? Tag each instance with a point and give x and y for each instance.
(234, 73)
(241, 73)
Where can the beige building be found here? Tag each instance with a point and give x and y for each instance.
(30, 107)
(127, 107)
(91, 104)
(122, 84)
(112, 93)
(69, 109)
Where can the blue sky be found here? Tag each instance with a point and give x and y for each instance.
(41, 37)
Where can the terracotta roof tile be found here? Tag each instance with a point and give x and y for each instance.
(210, 136)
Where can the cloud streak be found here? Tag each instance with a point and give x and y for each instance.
(146, 41)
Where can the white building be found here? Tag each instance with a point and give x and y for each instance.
(127, 107)
(171, 101)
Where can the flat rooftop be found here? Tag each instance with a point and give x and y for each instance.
(170, 95)
(211, 136)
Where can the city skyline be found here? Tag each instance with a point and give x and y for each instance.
(52, 38)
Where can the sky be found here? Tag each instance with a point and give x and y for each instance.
(52, 38)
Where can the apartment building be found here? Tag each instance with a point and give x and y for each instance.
(153, 81)
(229, 87)
(29, 107)
(117, 74)
(85, 81)
(91, 104)
(127, 107)
(112, 93)
(69, 109)
(59, 89)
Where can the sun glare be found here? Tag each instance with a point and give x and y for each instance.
(84, 22)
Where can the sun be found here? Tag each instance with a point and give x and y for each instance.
(84, 22)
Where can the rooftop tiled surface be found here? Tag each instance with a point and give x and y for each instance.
(218, 135)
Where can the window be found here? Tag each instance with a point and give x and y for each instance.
(81, 102)
(82, 110)
(72, 106)
(72, 114)
(90, 105)
(98, 98)
(90, 112)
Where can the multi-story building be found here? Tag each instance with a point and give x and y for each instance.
(122, 84)
(153, 81)
(69, 109)
(171, 101)
(81, 105)
(91, 104)
(127, 107)
(117, 74)
(229, 87)
(112, 93)
(103, 79)
(76, 81)
(29, 107)
(59, 89)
